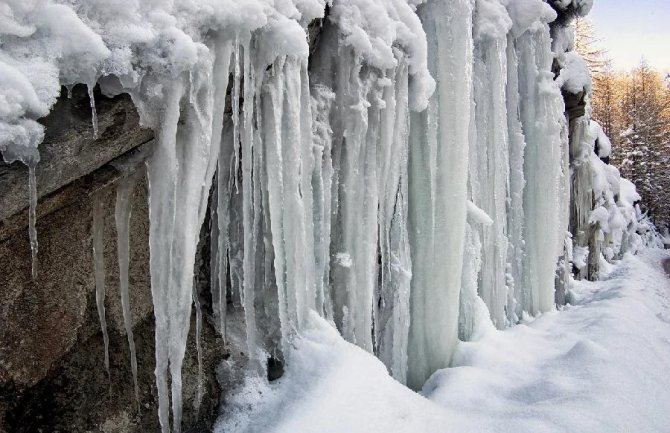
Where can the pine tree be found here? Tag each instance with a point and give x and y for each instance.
(642, 153)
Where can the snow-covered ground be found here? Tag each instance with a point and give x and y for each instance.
(599, 365)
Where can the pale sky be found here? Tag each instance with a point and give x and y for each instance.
(632, 29)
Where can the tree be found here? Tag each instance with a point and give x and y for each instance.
(642, 154)
(587, 45)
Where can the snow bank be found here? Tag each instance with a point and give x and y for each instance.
(598, 365)
(329, 386)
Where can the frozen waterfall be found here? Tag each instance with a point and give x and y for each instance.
(399, 167)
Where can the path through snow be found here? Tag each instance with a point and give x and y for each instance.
(600, 365)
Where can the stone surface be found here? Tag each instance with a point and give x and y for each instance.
(69, 150)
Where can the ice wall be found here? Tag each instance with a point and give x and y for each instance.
(405, 174)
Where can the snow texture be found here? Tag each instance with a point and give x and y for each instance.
(602, 360)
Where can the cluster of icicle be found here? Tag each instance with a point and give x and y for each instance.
(407, 180)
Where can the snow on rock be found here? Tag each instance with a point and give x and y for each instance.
(604, 145)
(373, 27)
(526, 14)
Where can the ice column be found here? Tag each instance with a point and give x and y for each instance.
(541, 113)
(438, 167)
(489, 161)
(392, 318)
(517, 295)
(289, 159)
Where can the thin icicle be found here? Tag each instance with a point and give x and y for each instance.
(273, 142)
(99, 268)
(94, 113)
(32, 219)
(249, 207)
(122, 215)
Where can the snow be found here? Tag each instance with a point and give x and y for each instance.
(477, 215)
(581, 7)
(575, 76)
(604, 143)
(330, 385)
(527, 14)
(598, 365)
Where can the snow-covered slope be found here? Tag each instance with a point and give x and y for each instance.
(599, 365)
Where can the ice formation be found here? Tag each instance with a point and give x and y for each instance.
(406, 175)
(122, 214)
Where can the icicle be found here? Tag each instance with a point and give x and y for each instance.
(354, 270)
(94, 114)
(438, 165)
(392, 319)
(235, 101)
(273, 108)
(248, 206)
(122, 216)
(517, 183)
(322, 181)
(489, 165)
(162, 177)
(288, 156)
(32, 219)
(99, 267)
(220, 160)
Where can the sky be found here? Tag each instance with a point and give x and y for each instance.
(632, 29)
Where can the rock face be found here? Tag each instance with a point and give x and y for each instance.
(52, 374)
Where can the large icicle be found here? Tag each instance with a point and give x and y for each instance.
(162, 178)
(438, 188)
(489, 161)
(288, 155)
(122, 215)
(392, 319)
(517, 182)
(541, 108)
(322, 183)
